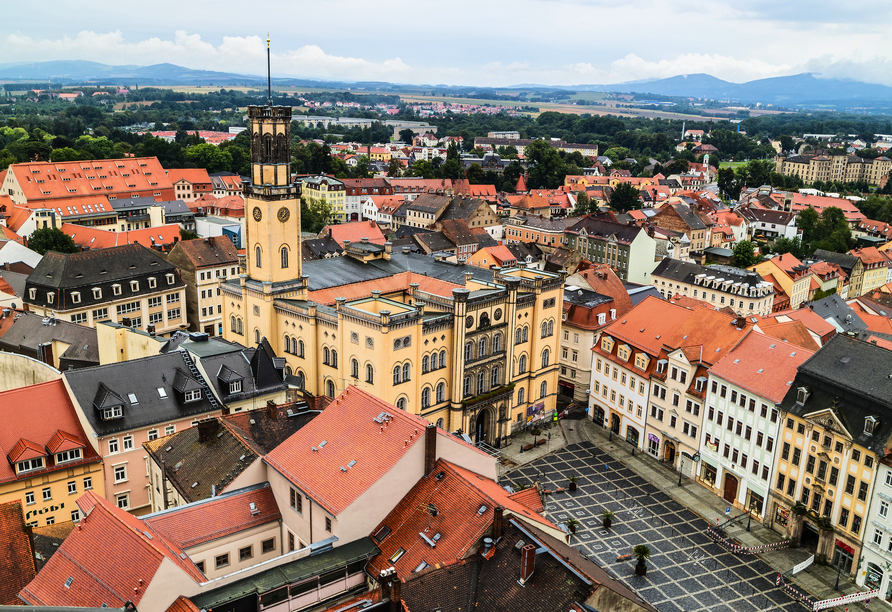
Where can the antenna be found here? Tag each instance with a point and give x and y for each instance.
(269, 82)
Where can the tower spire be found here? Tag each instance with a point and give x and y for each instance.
(269, 82)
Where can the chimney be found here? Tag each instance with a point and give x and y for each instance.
(430, 448)
(527, 563)
(497, 522)
(487, 546)
(207, 429)
(212, 240)
(272, 410)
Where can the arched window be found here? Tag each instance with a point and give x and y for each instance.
(520, 397)
(325, 355)
(526, 333)
(401, 403)
(544, 328)
(440, 423)
(288, 371)
(551, 328)
(405, 372)
(330, 388)
(497, 343)
(287, 344)
(468, 351)
(334, 358)
(481, 378)
(284, 257)
(425, 397)
(481, 350)
(494, 378)
(396, 375)
(240, 329)
(522, 368)
(369, 373)
(518, 336)
(256, 336)
(354, 368)
(443, 359)
(441, 392)
(232, 323)
(546, 355)
(300, 379)
(300, 348)
(543, 389)
(467, 386)
(257, 258)
(424, 364)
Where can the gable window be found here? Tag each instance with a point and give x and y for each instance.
(134, 285)
(76, 297)
(97, 293)
(70, 455)
(114, 412)
(29, 465)
(170, 279)
(870, 424)
(116, 289)
(801, 395)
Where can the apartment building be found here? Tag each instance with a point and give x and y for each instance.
(330, 190)
(628, 249)
(202, 265)
(789, 275)
(190, 183)
(129, 282)
(839, 168)
(743, 291)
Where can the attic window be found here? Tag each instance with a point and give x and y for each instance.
(97, 293)
(398, 555)
(132, 398)
(870, 424)
(169, 279)
(661, 366)
(116, 289)
(801, 395)
(115, 412)
(76, 297)
(134, 285)
(50, 296)
(192, 396)
(162, 393)
(381, 533)
(152, 283)
(32, 294)
(68, 582)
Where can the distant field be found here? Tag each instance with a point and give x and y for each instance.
(736, 164)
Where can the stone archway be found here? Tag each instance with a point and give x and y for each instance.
(483, 426)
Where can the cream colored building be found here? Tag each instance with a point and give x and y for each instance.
(841, 168)
(474, 350)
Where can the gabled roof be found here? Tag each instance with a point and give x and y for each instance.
(29, 331)
(351, 429)
(209, 252)
(96, 238)
(389, 284)
(835, 311)
(51, 415)
(217, 517)
(649, 324)
(270, 426)
(189, 175)
(354, 232)
(603, 280)
(120, 574)
(17, 561)
(465, 504)
(794, 332)
(141, 378)
(762, 365)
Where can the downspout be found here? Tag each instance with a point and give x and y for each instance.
(309, 499)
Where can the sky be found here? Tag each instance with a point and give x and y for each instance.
(465, 42)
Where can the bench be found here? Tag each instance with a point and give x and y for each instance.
(526, 448)
(622, 558)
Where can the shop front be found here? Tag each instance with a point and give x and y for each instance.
(632, 435)
(566, 389)
(653, 445)
(755, 503)
(708, 474)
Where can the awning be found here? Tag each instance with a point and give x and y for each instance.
(561, 383)
(845, 547)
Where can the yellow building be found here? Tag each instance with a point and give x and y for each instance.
(49, 462)
(327, 189)
(841, 168)
(876, 268)
(470, 350)
(789, 273)
(835, 423)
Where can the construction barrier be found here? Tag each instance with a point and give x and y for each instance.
(836, 601)
(739, 549)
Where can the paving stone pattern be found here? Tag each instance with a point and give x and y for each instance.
(687, 571)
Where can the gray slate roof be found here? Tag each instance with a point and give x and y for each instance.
(839, 314)
(686, 272)
(843, 260)
(29, 331)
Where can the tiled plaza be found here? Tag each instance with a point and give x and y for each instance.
(686, 571)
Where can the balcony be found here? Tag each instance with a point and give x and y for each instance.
(493, 395)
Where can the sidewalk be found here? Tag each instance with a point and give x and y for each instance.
(555, 439)
(817, 580)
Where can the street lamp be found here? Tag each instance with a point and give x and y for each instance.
(838, 571)
(749, 517)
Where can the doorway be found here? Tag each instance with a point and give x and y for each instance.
(614, 423)
(731, 484)
(809, 540)
(481, 427)
(669, 453)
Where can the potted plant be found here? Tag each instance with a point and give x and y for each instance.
(642, 553)
(572, 480)
(535, 433)
(572, 524)
(607, 518)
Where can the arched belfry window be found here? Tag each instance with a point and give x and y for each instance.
(255, 147)
(267, 149)
(284, 257)
(282, 156)
(257, 258)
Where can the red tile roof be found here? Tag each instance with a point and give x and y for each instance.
(391, 284)
(602, 279)
(458, 497)
(530, 498)
(8, 234)
(51, 410)
(96, 238)
(17, 561)
(217, 517)
(762, 365)
(103, 573)
(349, 433)
(194, 176)
(812, 321)
(354, 232)
(183, 604)
(63, 441)
(793, 332)
(649, 324)
(51, 183)
(869, 255)
(820, 203)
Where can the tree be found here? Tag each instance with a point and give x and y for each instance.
(422, 169)
(745, 254)
(450, 170)
(789, 245)
(547, 169)
(187, 235)
(807, 220)
(51, 239)
(728, 184)
(584, 204)
(624, 198)
(475, 174)
(407, 136)
(394, 168)
(678, 166)
(314, 214)
(787, 143)
(209, 157)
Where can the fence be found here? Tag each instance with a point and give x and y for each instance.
(739, 549)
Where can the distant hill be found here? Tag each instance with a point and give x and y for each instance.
(799, 89)
(79, 71)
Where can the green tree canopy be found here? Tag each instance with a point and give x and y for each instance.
(314, 214)
(624, 198)
(547, 169)
(51, 239)
(745, 254)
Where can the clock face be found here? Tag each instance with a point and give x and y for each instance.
(283, 214)
(258, 215)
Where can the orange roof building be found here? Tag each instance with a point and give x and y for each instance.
(354, 232)
(17, 564)
(94, 238)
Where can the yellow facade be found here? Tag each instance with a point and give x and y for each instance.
(64, 486)
(795, 288)
(329, 190)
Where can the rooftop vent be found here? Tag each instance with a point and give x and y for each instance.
(254, 508)
(352, 463)
(323, 443)
(481, 510)
(68, 582)
(440, 476)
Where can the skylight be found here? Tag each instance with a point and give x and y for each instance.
(162, 393)
(132, 398)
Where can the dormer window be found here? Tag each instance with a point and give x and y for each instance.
(613, 313)
(661, 366)
(134, 286)
(152, 283)
(235, 387)
(114, 412)
(97, 293)
(116, 289)
(69, 455)
(32, 294)
(191, 396)
(75, 297)
(607, 344)
(801, 395)
(170, 279)
(602, 318)
(29, 465)
(50, 296)
(870, 425)
(641, 361)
